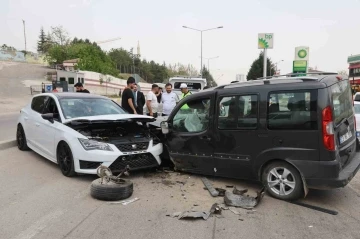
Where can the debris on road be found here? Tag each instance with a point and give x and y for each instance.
(234, 211)
(239, 192)
(320, 209)
(242, 201)
(109, 187)
(125, 202)
(215, 209)
(221, 192)
(210, 187)
(193, 215)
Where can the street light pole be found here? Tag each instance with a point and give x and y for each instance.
(201, 31)
(24, 36)
(201, 68)
(276, 66)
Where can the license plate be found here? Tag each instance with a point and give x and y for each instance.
(345, 137)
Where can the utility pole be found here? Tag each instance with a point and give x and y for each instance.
(24, 36)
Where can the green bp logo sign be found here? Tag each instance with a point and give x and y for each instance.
(302, 53)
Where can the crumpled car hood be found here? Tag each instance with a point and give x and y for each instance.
(111, 118)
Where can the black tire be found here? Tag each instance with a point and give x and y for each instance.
(110, 191)
(289, 188)
(65, 160)
(21, 138)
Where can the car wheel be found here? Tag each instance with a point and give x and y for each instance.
(65, 160)
(21, 138)
(282, 181)
(110, 191)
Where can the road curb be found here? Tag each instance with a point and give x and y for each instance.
(7, 144)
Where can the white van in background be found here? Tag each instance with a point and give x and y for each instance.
(195, 84)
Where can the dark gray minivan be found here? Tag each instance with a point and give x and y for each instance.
(290, 133)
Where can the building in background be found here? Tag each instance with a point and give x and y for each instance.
(240, 77)
(354, 69)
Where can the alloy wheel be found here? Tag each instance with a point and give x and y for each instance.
(281, 181)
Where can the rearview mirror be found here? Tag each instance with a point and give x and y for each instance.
(49, 117)
(164, 127)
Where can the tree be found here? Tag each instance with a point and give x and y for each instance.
(209, 78)
(59, 35)
(257, 68)
(42, 41)
(7, 48)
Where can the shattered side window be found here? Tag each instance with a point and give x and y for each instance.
(194, 118)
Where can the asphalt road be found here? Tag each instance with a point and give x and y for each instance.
(36, 201)
(8, 126)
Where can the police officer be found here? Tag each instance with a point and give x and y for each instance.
(185, 92)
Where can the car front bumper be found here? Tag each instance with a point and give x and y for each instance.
(87, 162)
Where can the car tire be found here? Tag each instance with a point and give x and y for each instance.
(21, 138)
(65, 160)
(110, 191)
(282, 181)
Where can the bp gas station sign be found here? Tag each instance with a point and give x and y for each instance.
(300, 63)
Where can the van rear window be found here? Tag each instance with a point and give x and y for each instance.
(341, 100)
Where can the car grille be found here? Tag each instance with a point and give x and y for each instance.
(135, 162)
(138, 146)
(89, 164)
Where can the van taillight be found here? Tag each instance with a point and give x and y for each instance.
(328, 129)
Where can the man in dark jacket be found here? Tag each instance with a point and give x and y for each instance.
(80, 88)
(139, 100)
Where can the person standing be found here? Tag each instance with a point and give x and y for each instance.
(152, 101)
(80, 88)
(185, 92)
(139, 100)
(127, 98)
(169, 100)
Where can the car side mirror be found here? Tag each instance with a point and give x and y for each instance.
(222, 110)
(49, 117)
(164, 127)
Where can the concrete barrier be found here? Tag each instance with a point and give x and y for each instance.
(7, 144)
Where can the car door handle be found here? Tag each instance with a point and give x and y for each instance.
(26, 118)
(37, 125)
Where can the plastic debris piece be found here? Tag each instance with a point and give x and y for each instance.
(239, 192)
(245, 202)
(210, 188)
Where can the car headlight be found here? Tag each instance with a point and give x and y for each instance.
(89, 144)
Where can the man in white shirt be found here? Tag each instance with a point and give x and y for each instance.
(152, 102)
(169, 100)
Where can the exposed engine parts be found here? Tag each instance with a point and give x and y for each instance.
(106, 175)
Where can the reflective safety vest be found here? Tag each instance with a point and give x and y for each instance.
(185, 106)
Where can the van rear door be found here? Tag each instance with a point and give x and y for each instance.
(343, 120)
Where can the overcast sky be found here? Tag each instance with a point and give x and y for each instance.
(331, 28)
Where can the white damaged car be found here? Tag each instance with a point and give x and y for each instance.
(81, 131)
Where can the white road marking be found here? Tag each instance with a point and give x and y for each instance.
(39, 225)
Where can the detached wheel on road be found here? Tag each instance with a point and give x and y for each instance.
(282, 181)
(111, 191)
(21, 138)
(65, 160)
